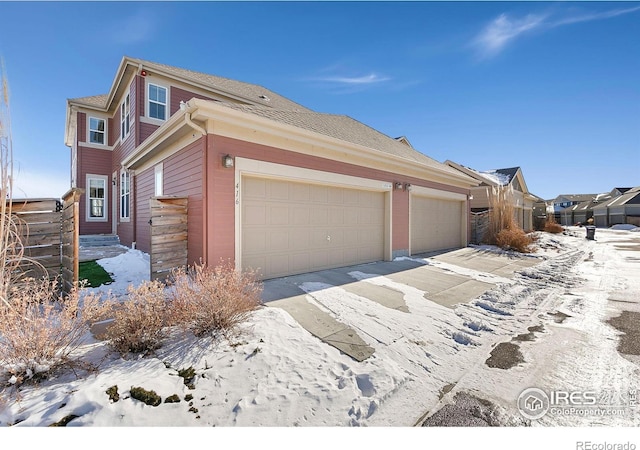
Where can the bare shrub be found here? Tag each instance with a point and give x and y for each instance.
(551, 226)
(514, 239)
(503, 230)
(139, 321)
(39, 330)
(211, 300)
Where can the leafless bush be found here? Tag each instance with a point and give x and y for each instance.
(139, 321)
(39, 331)
(551, 226)
(211, 300)
(514, 239)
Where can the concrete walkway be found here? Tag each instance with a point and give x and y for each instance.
(448, 279)
(99, 252)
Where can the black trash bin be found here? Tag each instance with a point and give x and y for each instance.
(591, 232)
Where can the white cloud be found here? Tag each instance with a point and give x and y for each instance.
(494, 38)
(504, 29)
(371, 78)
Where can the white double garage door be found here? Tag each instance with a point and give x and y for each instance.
(289, 226)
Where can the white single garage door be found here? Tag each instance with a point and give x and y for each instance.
(436, 224)
(291, 227)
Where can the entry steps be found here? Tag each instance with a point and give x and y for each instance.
(99, 240)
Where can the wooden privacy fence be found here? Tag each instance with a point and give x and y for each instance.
(168, 235)
(479, 226)
(70, 240)
(49, 234)
(39, 225)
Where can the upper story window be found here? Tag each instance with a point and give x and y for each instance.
(157, 102)
(125, 115)
(97, 131)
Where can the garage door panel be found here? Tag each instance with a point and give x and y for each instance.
(318, 194)
(278, 215)
(255, 215)
(436, 224)
(301, 193)
(255, 188)
(309, 227)
(300, 216)
(320, 215)
(277, 190)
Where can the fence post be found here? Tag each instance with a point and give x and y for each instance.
(70, 238)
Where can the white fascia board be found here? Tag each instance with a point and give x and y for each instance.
(205, 111)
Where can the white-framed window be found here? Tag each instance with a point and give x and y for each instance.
(97, 130)
(156, 101)
(158, 181)
(125, 116)
(97, 198)
(125, 196)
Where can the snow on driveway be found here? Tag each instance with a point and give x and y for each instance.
(278, 374)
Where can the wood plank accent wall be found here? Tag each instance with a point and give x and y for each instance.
(49, 233)
(40, 227)
(168, 235)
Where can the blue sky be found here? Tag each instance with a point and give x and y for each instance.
(552, 87)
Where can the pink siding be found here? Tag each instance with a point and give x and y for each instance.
(82, 127)
(96, 162)
(183, 178)
(400, 218)
(146, 129)
(221, 191)
(143, 187)
(177, 95)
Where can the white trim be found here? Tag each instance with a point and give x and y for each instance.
(262, 169)
(105, 206)
(437, 193)
(158, 180)
(124, 172)
(104, 132)
(147, 100)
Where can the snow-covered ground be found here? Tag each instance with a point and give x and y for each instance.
(278, 375)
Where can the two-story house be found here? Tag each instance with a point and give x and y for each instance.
(510, 178)
(270, 183)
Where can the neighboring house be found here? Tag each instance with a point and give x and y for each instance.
(522, 199)
(581, 212)
(271, 184)
(566, 200)
(619, 209)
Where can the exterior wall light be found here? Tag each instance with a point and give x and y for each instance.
(407, 187)
(398, 186)
(470, 196)
(227, 161)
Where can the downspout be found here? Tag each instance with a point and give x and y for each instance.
(188, 109)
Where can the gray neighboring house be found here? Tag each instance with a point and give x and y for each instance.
(620, 209)
(561, 202)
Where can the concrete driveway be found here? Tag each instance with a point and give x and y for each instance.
(447, 278)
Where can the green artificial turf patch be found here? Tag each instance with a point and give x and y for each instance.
(94, 273)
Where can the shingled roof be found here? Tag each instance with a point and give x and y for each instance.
(242, 91)
(344, 128)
